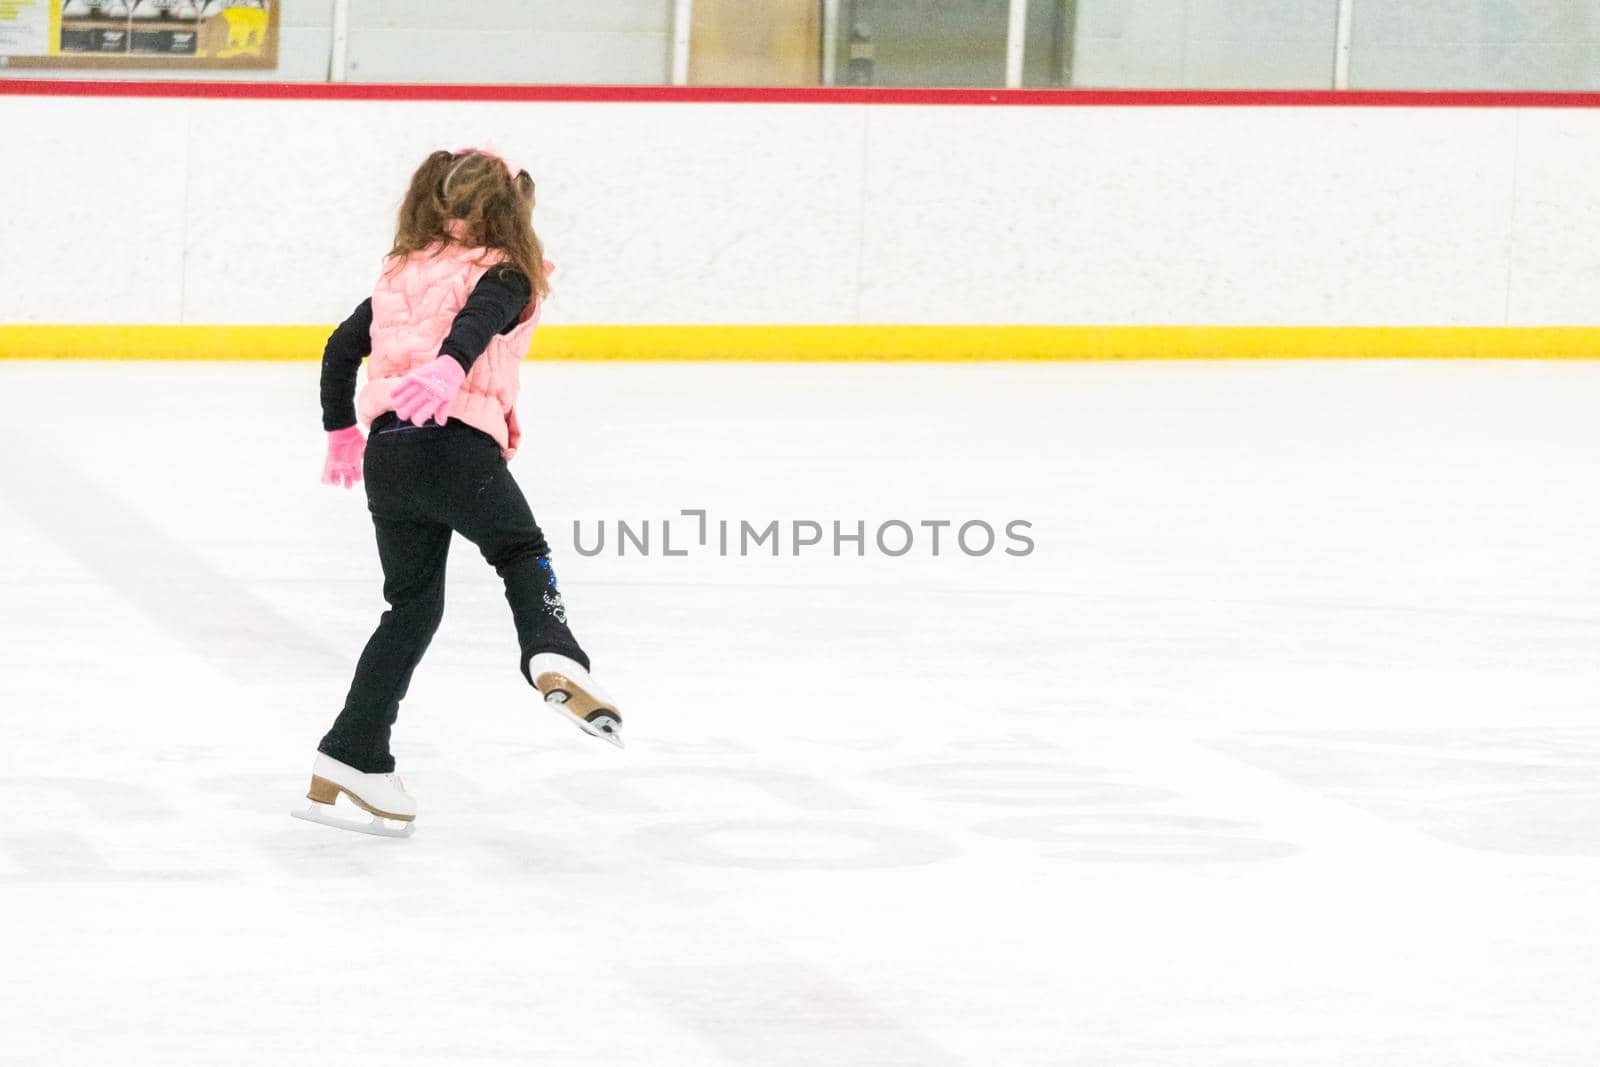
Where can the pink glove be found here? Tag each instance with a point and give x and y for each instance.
(426, 392)
(514, 430)
(343, 465)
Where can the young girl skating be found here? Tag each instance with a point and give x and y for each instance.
(446, 327)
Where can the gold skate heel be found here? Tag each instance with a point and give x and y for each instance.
(592, 714)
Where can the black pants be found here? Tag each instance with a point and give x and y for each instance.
(422, 484)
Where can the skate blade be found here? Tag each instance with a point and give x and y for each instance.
(377, 827)
(604, 726)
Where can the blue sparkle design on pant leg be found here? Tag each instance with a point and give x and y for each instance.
(552, 599)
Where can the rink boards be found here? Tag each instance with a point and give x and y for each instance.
(830, 227)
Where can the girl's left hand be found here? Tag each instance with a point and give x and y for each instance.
(514, 434)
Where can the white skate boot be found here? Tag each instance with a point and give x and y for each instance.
(569, 689)
(383, 796)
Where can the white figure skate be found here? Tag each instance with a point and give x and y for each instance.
(383, 796)
(569, 690)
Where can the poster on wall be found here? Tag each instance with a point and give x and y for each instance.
(147, 34)
(24, 27)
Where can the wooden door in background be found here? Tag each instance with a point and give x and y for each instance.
(766, 42)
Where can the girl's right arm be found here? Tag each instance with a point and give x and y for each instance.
(341, 362)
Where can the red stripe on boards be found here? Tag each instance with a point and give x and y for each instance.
(705, 94)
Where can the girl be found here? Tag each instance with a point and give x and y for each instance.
(447, 328)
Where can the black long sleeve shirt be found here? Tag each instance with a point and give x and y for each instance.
(495, 306)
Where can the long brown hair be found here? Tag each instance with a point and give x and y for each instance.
(489, 206)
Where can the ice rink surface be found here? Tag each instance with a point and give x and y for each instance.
(1281, 748)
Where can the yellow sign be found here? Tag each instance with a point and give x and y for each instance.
(139, 33)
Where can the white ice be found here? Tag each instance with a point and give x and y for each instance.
(1282, 747)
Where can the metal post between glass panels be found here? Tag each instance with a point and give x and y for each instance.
(830, 41)
(1341, 54)
(1016, 42)
(339, 49)
(682, 20)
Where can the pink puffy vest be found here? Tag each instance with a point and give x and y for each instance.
(413, 306)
